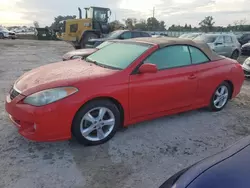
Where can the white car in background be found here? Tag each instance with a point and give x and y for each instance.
(5, 33)
(246, 67)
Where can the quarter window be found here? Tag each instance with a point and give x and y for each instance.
(197, 56)
(170, 57)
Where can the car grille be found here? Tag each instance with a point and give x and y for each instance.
(12, 34)
(13, 93)
(245, 51)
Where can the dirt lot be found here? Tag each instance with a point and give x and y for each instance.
(141, 156)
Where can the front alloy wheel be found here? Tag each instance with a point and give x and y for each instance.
(96, 122)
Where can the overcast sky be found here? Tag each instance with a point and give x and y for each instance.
(24, 12)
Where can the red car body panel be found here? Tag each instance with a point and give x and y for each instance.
(141, 96)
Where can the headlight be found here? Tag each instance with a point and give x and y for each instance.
(50, 95)
(76, 57)
(247, 61)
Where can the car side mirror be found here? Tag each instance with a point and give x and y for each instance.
(148, 68)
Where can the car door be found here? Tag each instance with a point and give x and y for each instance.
(207, 73)
(172, 87)
(219, 46)
(229, 46)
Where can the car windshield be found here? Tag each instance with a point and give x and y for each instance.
(118, 55)
(103, 44)
(207, 38)
(114, 34)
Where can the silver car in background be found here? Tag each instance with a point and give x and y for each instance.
(223, 44)
(189, 35)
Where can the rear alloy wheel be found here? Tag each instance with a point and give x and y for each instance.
(96, 123)
(220, 97)
(235, 55)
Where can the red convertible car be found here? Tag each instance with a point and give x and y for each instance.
(124, 83)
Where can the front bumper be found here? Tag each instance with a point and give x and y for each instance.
(47, 123)
(246, 70)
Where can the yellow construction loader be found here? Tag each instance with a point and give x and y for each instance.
(94, 25)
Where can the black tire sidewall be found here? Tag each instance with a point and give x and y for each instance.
(235, 52)
(212, 106)
(86, 38)
(87, 107)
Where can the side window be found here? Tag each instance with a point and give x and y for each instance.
(228, 39)
(170, 57)
(145, 34)
(220, 39)
(73, 28)
(136, 34)
(126, 35)
(197, 56)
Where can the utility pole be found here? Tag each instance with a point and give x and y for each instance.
(153, 12)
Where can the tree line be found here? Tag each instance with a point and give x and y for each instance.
(152, 24)
(208, 25)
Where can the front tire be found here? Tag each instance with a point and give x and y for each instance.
(220, 97)
(1, 36)
(235, 55)
(86, 38)
(96, 122)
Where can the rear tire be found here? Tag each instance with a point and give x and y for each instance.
(1, 36)
(235, 54)
(86, 38)
(96, 122)
(220, 97)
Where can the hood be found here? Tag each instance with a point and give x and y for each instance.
(99, 40)
(59, 74)
(81, 52)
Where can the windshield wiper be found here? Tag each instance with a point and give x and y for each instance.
(100, 64)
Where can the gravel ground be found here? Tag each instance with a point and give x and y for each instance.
(143, 155)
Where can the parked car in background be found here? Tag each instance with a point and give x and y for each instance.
(246, 67)
(189, 35)
(118, 34)
(223, 44)
(5, 33)
(245, 53)
(227, 169)
(245, 38)
(81, 53)
(123, 83)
